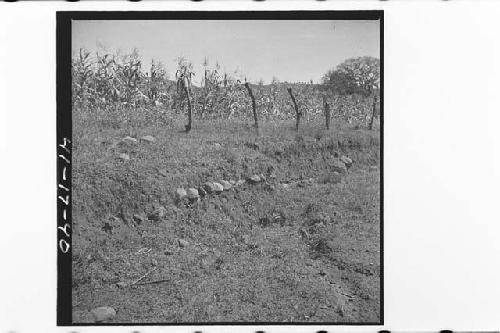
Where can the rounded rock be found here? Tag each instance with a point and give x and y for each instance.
(254, 179)
(124, 157)
(209, 187)
(103, 313)
(339, 166)
(193, 194)
(226, 185)
(148, 138)
(129, 139)
(218, 188)
(157, 214)
(346, 160)
(180, 193)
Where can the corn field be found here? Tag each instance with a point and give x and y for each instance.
(104, 80)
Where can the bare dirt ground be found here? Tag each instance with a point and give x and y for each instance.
(302, 246)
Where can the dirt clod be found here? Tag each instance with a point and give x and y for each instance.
(124, 157)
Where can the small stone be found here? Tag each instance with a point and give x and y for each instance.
(154, 262)
(240, 182)
(122, 284)
(339, 166)
(193, 194)
(286, 186)
(346, 160)
(148, 138)
(163, 172)
(129, 139)
(183, 243)
(138, 218)
(124, 157)
(217, 146)
(218, 188)
(157, 214)
(103, 313)
(180, 193)
(262, 177)
(232, 182)
(226, 185)
(209, 187)
(254, 179)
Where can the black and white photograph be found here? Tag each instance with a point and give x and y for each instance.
(249, 166)
(227, 170)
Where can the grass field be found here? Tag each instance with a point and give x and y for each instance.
(319, 262)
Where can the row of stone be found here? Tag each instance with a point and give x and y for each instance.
(214, 187)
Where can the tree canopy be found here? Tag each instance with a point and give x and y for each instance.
(356, 75)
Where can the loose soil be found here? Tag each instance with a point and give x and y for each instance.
(300, 246)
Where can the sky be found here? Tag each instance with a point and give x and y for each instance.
(293, 51)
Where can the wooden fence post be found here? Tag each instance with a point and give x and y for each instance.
(327, 112)
(297, 112)
(373, 111)
(185, 85)
(253, 107)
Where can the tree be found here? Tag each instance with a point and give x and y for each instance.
(355, 76)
